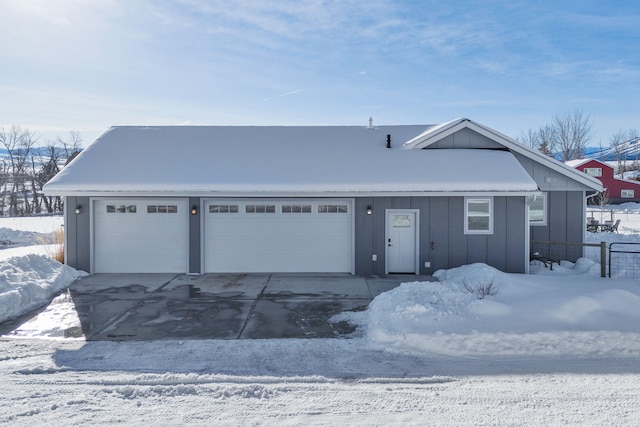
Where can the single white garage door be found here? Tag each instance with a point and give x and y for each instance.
(278, 236)
(141, 236)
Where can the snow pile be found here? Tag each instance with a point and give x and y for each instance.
(10, 237)
(29, 282)
(586, 266)
(580, 316)
(20, 236)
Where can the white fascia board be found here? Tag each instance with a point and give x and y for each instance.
(435, 134)
(300, 195)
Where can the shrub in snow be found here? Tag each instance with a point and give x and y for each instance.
(481, 288)
(54, 242)
(31, 281)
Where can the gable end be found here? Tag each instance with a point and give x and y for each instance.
(466, 138)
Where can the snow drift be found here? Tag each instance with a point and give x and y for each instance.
(29, 282)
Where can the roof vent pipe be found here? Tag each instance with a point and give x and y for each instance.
(388, 141)
(370, 122)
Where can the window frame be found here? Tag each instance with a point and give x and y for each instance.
(588, 171)
(296, 208)
(162, 209)
(627, 196)
(219, 208)
(332, 208)
(119, 208)
(467, 216)
(545, 209)
(260, 208)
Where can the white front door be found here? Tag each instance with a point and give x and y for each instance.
(401, 241)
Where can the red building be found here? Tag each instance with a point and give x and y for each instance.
(615, 190)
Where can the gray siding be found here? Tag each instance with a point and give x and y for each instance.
(442, 239)
(77, 233)
(565, 223)
(194, 236)
(548, 179)
(466, 138)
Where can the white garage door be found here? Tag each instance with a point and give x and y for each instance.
(278, 236)
(141, 236)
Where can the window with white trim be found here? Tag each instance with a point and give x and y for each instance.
(223, 208)
(478, 213)
(162, 209)
(260, 208)
(296, 208)
(593, 171)
(538, 210)
(627, 194)
(333, 208)
(122, 208)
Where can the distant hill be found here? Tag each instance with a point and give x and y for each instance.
(35, 152)
(629, 150)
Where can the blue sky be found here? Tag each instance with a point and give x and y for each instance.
(511, 65)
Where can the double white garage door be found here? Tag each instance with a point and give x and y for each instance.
(238, 235)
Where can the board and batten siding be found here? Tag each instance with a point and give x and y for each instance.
(442, 241)
(466, 138)
(565, 223)
(195, 233)
(77, 233)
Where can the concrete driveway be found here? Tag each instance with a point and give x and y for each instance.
(222, 306)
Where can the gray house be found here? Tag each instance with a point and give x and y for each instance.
(362, 200)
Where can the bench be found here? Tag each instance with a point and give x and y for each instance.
(545, 260)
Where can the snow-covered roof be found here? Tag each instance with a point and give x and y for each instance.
(269, 160)
(579, 162)
(437, 133)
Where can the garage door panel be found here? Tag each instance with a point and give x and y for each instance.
(279, 241)
(141, 240)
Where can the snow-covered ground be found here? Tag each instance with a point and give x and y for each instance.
(561, 347)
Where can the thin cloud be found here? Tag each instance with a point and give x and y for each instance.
(293, 92)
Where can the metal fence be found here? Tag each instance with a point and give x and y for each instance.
(624, 260)
(554, 252)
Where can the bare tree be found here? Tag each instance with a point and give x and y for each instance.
(634, 138)
(548, 136)
(617, 143)
(43, 171)
(543, 139)
(573, 132)
(531, 139)
(72, 147)
(18, 142)
(26, 168)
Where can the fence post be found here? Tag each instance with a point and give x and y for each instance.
(603, 259)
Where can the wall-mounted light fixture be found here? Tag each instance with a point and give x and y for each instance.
(369, 210)
(194, 210)
(78, 210)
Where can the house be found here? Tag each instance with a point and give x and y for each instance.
(352, 199)
(615, 190)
